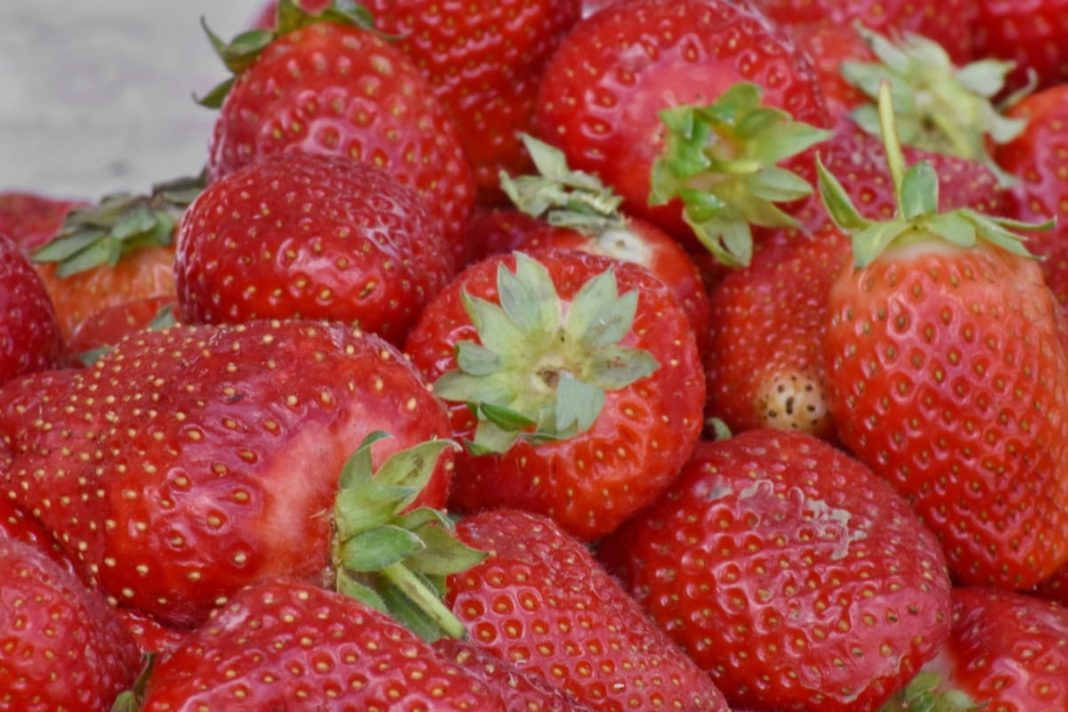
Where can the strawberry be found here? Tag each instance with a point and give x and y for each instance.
(829, 46)
(944, 21)
(16, 525)
(218, 448)
(32, 220)
(948, 377)
(312, 237)
(1055, 588)
(108, 326)
(30, 339)
(1007, 653)
(497, 231)
(63, 649)
(790, 573)
(1038, 160)
(323, 84)
(583, 413)
(544, 604)
(150, 635)
(673, 118)
(1028, 32)
(117, 251)
(579, 213)
(289, 645)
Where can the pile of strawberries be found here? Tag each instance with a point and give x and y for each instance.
(544, 355)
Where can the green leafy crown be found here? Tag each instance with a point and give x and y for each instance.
(722, 161)
(922, 694)
(917, 217)
(539, 374)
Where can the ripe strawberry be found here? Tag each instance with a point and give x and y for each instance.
(310, 237)
(118, 251)
(497, 231)
(217, 448)
(321, 84)
(583, 413)
(1028, 32)
(944, 21)
(579, 213)
(1039, 160)
(150, 635)
(289, 645)
(1055, 588)
(16, 525)
(543, 603)
(63, 648)
(948, 377)
(30, 339)
(619, 99)
(108, 326)
(1007, 653)
(829, 46)
(32, 220)
(790, 573)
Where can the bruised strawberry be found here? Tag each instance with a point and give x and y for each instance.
(63, 648)
(574, 380)
(310, 237)
(30, 339)
(218, 449)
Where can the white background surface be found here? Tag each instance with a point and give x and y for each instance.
(96, 95)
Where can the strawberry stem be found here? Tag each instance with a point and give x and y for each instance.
(425, 599)
(895, 157)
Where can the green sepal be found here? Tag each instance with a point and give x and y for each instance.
(119, 225)
(940, 107)
(132, 699)
(538, 375)
(245, 48)
(387, 557)
(721, 161)
(720, 430)
(922, 694)
(919, 191)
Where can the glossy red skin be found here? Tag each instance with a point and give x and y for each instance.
(1055, 588)
(497, 231)
(944, 21)
(591, 482)
(150, 635)
(318, 650)
(215, 455)
(109, 325)
(742, 562)
(16, 525)
(1039, 160)
(766, 323)
(643, 244)
(310, 237)
(51, 625)
(30, 339)
(338, 90)
(518, 689)
(1008, 651)
(1028, 32)
(32, 220)
(605, 87)
(828, 46)
(949, 379)
(542, 602)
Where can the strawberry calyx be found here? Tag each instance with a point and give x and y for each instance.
(540, 374)
(940, 107)
(922, 694)
(917, 219)
(119, 225)
(391, 559)
(131, 700)
(242, 50)
(721, 161)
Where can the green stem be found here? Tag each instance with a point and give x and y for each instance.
(895, 159)
(412, 587)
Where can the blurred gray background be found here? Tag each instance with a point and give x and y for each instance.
(96, 95)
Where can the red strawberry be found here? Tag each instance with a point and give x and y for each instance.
(790, 573)
(1028, 32)
(497, 231)
(948, 377)
(311, 237)
(1055, 588)
(1039, 160)
(217, 448)
(944, 21)
(329, 87)
(542, 602)
(32, 220)
(30, 339)
(1007, 653)
(150, 635)
(62, 647)
(108, 326)
(585, 413)
(829, 46)
(619, 100)
(16, 525)
(579, 213)
(285, 645)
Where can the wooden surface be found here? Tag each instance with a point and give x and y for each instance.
(95, 96)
